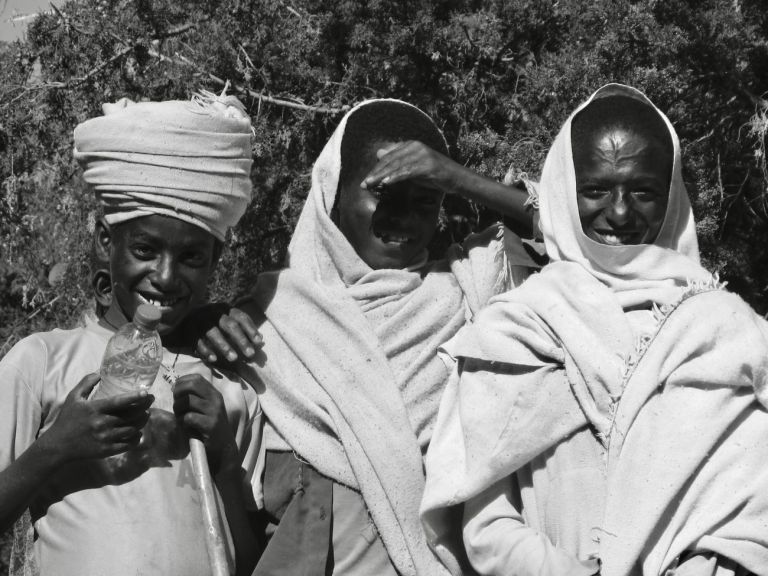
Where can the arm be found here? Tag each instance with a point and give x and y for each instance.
(84, 429)
(415, 161)
(498, 542)
(201, 409)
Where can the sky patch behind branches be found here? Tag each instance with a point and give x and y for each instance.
(15, 16)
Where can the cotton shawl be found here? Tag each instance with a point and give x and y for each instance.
(674, 409)
(351, 377)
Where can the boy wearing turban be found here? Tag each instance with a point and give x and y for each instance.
(108, 480)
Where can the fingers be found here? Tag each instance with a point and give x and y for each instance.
(194, 393)
(381, 152)
(139, 400)
(193, 384)
(389, 160)
(205, 351)
(406, 161)
(233, 327)
(124, 435)
(198, 404)
(135, 419)
(248, 326)
(85, 386)
(111, 435)
(201, 424)
(220, 345)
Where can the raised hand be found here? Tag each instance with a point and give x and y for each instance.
(96, 428)
(413, 160)
(200, 409)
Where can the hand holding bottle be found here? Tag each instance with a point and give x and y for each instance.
(96, 428)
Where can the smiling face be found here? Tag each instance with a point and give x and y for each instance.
(622, 184)
(388, 227)
(162, 261)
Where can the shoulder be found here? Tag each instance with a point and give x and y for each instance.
(718, 308)
(41, 345)
(56, 358)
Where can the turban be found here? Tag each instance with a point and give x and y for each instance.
(190, 160)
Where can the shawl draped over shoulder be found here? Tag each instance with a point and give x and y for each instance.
(351, 376)
(678, 411)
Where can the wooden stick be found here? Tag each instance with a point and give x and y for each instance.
(214, 540)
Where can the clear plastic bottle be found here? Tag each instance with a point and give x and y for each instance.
(133, 355)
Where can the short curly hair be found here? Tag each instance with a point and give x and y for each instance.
(383, 121)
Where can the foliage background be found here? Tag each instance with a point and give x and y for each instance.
(498, 76)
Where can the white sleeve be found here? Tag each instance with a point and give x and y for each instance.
(20, 407)
(499, 543)
(252, 450)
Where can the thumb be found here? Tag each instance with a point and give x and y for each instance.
(86, 386)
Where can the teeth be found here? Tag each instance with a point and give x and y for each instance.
(615, 239)
(162, 303)
(398, 239)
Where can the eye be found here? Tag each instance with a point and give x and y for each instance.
(593, 192)
(195, 259)
(645, 195)
(143, 251)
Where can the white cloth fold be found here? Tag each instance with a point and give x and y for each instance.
(190, 160)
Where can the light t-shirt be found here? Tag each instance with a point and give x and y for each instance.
(128, 515)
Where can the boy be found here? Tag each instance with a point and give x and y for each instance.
(349, 377)
(166, 215)
(607, 416)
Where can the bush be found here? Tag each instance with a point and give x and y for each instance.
(498, 76)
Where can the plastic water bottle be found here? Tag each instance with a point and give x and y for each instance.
(133, 355)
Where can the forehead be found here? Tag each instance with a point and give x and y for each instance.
(625, 148)
(165, 230)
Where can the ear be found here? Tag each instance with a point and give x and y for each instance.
(101, 282)
(102, 241)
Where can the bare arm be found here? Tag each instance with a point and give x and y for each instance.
(84, 429)
(413, 160)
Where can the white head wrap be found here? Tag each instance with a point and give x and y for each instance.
(639, 273)
(190, 160)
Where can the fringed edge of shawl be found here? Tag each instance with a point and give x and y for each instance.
(643, 342)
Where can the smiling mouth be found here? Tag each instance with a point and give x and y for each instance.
(165, 303)
(616, 238)
(395, 239)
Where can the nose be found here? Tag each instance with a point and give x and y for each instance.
(618, 211)
(164, 274)
(394, 209)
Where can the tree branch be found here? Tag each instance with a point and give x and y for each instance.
(178, 60)
(261, 96)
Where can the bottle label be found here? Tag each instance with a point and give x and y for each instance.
(149, 349)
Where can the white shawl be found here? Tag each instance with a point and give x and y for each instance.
(351, 375)
(675, 411)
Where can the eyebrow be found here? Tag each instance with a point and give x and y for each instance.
(144, 236)
(632, 180)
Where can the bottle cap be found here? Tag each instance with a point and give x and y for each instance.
(147, 316)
